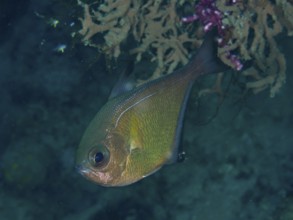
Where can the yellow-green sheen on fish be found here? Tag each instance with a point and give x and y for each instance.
(137, 131)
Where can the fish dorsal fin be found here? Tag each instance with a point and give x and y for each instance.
(125, 82)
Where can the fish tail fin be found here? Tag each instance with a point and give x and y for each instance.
(206, 60)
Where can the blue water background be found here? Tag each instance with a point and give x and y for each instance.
(238, 166)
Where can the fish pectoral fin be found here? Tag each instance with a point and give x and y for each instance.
(135, 144)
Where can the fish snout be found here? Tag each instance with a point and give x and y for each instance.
(82, 170)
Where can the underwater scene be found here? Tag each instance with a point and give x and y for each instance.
(146, 109)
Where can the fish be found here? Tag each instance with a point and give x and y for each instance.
(138, 130)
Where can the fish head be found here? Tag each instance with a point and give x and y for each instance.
(104, 161)
(119, 147)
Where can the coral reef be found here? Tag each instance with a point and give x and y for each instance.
(249, 33)
(256, 24)
(152, 24)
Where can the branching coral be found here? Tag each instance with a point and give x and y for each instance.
(160, 35)
(152, 24)
(250, 31)
(114, 19)
(255, 27)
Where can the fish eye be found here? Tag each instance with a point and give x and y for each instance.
(99, 158)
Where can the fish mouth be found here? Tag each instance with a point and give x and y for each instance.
(82, 170)
(100, 178)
